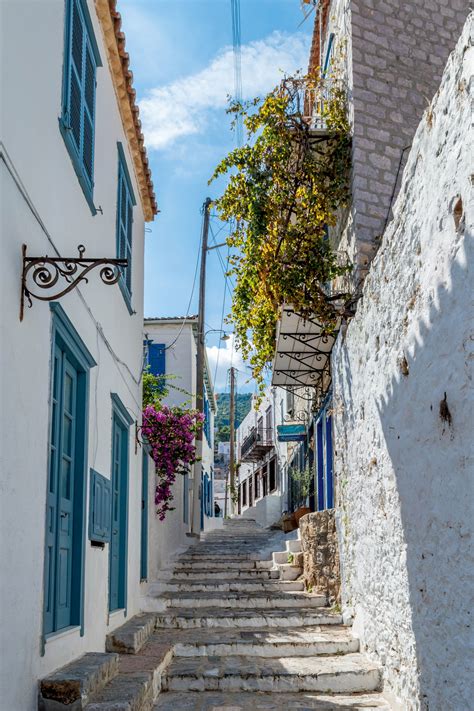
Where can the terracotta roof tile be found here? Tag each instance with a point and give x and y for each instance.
(122, 75)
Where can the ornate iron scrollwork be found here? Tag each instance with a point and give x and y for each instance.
(47, 272)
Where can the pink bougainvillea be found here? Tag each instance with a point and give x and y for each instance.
(170, 433)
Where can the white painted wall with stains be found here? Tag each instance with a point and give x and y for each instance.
(404, 416)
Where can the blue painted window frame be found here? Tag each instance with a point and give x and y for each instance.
(124, 225)
(77, 120)
(65, 337)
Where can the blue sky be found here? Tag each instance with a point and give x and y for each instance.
(181, 56)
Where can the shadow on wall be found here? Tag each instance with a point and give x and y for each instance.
(427, 420)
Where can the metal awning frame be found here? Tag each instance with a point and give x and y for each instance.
(311, 351)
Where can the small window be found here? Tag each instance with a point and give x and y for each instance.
(77, 122)
(125, 204)
(156, 358)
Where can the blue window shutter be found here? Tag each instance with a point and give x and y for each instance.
(79, 86)
(157, 358)
(99, 508)
(125, 203)
(327, 60)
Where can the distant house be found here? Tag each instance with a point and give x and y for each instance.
(73, 172)
(170, 349)
(262, 460)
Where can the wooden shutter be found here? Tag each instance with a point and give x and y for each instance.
(157, 358)
(79, 90)
(99, 507)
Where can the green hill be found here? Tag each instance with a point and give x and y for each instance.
(243, 403)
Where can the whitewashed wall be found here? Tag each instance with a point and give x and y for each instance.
(32, 71)
(168, 537)
(404, 473)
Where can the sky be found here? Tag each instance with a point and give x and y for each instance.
(182, 61)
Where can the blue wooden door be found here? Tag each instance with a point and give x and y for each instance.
(320, 464)
(117, 570)
(60, 498)
(329, 488)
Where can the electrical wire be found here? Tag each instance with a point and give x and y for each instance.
(190, 297)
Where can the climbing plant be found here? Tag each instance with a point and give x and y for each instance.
(283, 191)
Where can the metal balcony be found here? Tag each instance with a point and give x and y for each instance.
(310, 99)
(256, 445)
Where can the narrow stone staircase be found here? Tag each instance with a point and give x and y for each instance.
(229, 628)
(246, 639)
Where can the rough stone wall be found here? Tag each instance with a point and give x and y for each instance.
(403, 417)
(399, 50)
(321, 553)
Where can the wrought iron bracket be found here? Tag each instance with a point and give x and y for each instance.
(50, 272)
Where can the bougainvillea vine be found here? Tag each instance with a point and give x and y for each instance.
(169, 433)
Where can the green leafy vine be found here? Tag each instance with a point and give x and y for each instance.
(284, 189)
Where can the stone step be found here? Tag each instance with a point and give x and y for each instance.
(252, 574)
(138, 682)
(293, 546)
(262, 701)
(241, 559)
(181, 618)
(208, 564)
(280, 557)
(288, 571)
(75, 684)
(245, 600)
(267, 643)
(130, 637)
(342, 674)
(205, 584)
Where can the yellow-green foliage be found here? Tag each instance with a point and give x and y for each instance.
(283, 191)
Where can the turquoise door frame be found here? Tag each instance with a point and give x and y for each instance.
(118, 567)
(144, 518)
(66, 492)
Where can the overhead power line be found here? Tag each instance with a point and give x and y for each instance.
(237, 44)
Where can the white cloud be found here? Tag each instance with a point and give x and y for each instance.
(182, 107)
(225, 356)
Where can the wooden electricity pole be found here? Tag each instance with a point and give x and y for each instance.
(196, 503)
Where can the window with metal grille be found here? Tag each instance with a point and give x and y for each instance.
(77, 119)
(125, 203)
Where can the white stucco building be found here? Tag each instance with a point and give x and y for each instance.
(73, 172)
(171, 348)
(262, 460)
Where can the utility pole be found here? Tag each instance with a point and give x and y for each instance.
(196, 507)
(232, 438)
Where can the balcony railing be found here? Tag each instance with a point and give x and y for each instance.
(311, 99)
(255, 446)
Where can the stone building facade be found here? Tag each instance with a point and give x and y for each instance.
(391, 56)
(403, 413)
